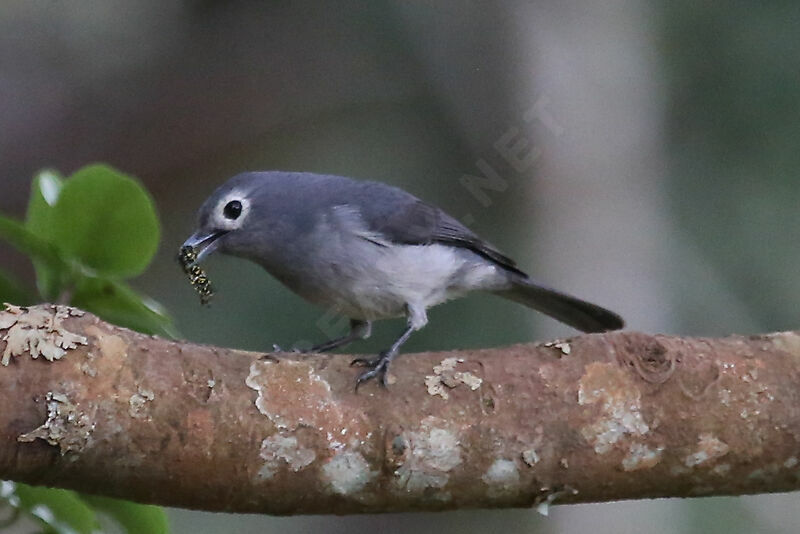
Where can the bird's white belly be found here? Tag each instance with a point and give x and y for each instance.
(380, 283)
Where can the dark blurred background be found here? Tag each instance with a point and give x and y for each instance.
(660, 175)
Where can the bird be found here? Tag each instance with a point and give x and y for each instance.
(369, 251)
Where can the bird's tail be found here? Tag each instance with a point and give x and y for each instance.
(570, 310)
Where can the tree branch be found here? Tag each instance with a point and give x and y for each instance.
(594, 418)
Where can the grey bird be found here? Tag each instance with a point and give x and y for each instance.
(369, 251)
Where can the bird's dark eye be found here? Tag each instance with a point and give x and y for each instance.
(232, 210)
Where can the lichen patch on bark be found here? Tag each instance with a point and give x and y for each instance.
(281, 450)
(709, 448)
(293, 395)
(446, 377)
(549, 497)
(502, 477)
(137, 404)
(620, 406)
(38, 331)
(427, 455)
(66, 426)
(563, 346)
(347, 473)
(641, 456)
(284, 390)
(530, 457)
(788, 341)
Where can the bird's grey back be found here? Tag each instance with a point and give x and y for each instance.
(391, 212)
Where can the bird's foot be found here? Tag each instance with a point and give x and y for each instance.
(376, 368)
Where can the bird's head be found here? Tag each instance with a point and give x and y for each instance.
(228, 221)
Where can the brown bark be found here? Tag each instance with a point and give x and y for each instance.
(595, 418)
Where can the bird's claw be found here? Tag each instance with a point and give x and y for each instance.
(376, 368)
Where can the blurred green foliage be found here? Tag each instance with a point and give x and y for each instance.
(732, 133)
(68, 512)
(85, 235)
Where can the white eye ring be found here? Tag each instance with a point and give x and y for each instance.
(231, 211)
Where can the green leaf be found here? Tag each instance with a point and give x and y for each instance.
(45, 190)
(60, 511)
(14, 292)
(18, 236)
(117, 303)
(106, 220)
(133, 517)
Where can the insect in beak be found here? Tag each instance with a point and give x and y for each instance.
(203, 244)
(190, 258)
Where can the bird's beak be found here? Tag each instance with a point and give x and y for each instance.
(203, 243)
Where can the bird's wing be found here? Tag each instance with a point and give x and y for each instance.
(402, 218)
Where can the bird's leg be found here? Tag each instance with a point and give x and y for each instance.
(377, 367)
(358, 330)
